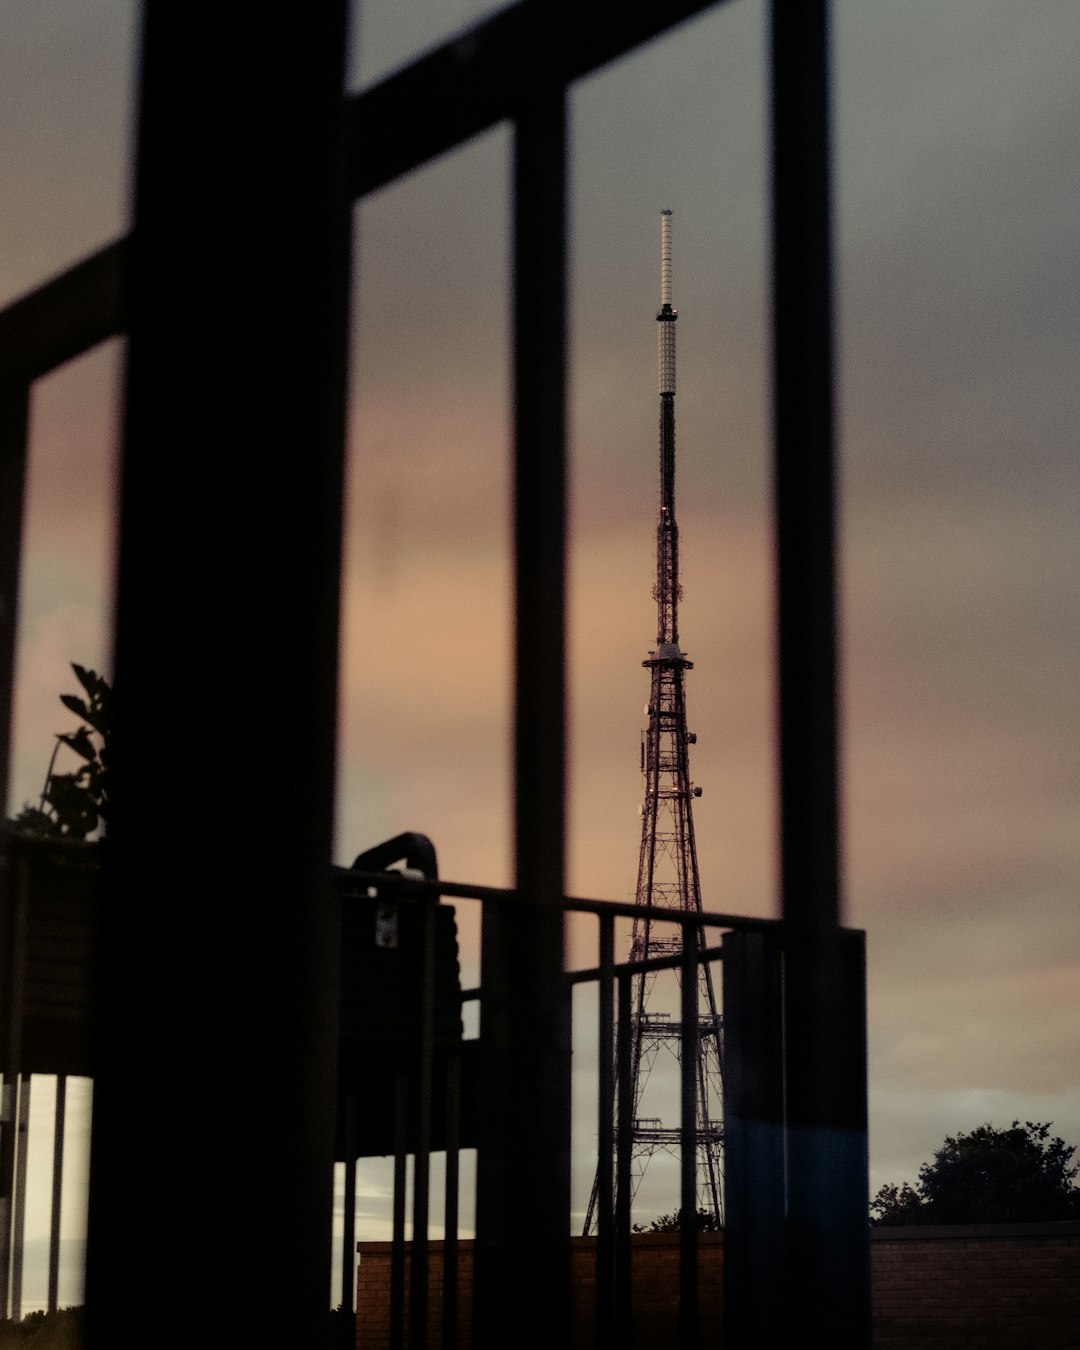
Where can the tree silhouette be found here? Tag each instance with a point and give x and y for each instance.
(672, 1223)
(989, 1175)
(73, 805)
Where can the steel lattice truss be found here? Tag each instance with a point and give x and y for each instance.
(667, 865)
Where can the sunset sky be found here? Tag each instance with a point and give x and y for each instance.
(957, 194)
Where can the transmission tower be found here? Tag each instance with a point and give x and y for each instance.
(667, 865)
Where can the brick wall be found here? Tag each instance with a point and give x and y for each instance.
(655, 1286)
(373, 1295)
(1001, 1287)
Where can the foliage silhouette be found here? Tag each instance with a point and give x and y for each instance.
(73, 805)
(60, 1330)
(1014, 1175)
(672, 1223)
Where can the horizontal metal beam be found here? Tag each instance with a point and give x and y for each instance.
(438, 102)
(475, 80)
(649, 967)
(66, 316)
(622, 909)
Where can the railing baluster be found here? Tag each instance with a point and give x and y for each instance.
(397, 1252)
(605, 1132)
(14, 406)
(624, 1137)
(418, 1259)
(688, 1066)
(18, 1203)
(57, 1186)
(450, 1219)
(348, 1220)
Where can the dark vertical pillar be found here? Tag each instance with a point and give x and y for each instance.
(57, 1191)
(297, 463)
(348, 1244)
(419, 1255)
(14, 406)
(605, 1135)
(451, 1264)
(804, 463)
(402, 1107)
(754, 1198)
(523, 1183)
(18, 1203)
(14, 894)
(826, 1093)
(623, 1157)
(218, 924)
(689, 1069)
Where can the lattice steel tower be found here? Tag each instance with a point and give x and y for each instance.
(667, 866)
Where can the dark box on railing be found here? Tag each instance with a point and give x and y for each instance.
(382, 999)
(49, 895)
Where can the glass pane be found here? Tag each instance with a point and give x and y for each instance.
(678, 126)
(384, 35)
(65, 610)
(957, 200)
(67, 72)
(427, 637)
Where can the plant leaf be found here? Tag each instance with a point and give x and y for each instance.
(80, 742)
(87, 678)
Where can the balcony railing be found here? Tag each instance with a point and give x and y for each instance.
(441, 1084)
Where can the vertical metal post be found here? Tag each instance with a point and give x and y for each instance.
(238, 328)
(804, 470)
(397, 1251)
(624, 1140)
(15, 887)
(8, 1103)
(347, 1116)
(296, 461)
(14, 408)
(450, 1222)
(348, 1241)
(828, 1273)
(524, 1156)
(754, 1195)
(18, 1201)
(7, 1176)
(605, 1222)
(688, 1076)
(424, 1096)
(57, 1190)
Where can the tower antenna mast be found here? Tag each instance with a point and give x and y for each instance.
(667, 863)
